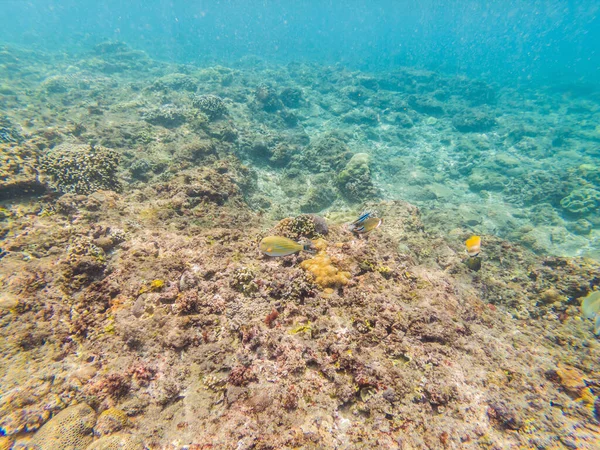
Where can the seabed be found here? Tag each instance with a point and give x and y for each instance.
(137, 311)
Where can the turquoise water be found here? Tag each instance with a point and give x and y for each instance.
(147, 149)
(505, 41)
(521, 78)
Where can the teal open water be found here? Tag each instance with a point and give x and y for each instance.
(438, 162)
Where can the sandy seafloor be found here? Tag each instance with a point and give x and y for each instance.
(134, 298)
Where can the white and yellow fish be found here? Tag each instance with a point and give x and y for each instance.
(473, 245)
(590, 308)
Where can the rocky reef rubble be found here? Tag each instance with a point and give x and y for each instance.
(176, 329)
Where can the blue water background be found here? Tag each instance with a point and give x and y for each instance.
(524, 41)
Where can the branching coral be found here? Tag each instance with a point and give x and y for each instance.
(243, 280)
(81, 169)
(211, 105)
(322, 267)
(302, 226)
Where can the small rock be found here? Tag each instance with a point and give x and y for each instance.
(8, 301)
(390, 395)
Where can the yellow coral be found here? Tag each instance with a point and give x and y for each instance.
(111, 421)
(157, 284)
(572, 379)
(322, 268)
(6, 443)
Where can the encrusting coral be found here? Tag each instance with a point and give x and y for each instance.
(211, 105)
(322, 267)
(117, 441)
(110, 421)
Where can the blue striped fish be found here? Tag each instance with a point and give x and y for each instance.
(281, 246)
(365, 223)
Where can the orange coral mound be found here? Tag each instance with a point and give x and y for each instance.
(322, 268)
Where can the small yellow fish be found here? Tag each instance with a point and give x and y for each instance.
(473, 246)
(281, 246)
(369, 225)
(365, 223)
(590, 308)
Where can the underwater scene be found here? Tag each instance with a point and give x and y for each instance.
(299, 225)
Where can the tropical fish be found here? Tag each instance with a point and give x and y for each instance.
(473, 246)
(281, 246)
(365, 223)
(590, 308)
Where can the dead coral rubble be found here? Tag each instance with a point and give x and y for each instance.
(400, 342)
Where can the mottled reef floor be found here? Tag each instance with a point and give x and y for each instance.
(136, 310)
(172, 322)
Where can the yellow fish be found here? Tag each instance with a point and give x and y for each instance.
(280, 246)
(473, 246)
(365, 223)
(590, 308)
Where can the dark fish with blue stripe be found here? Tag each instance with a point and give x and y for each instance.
(365, 223)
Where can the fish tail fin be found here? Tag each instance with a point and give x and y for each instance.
(308, 247)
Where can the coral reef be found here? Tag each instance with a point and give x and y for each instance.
(71, 428)
(354, 181)
(323, 268)
(8, 131)
(81, 169)
(581, 202)
(141, 292)
(211, 105)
